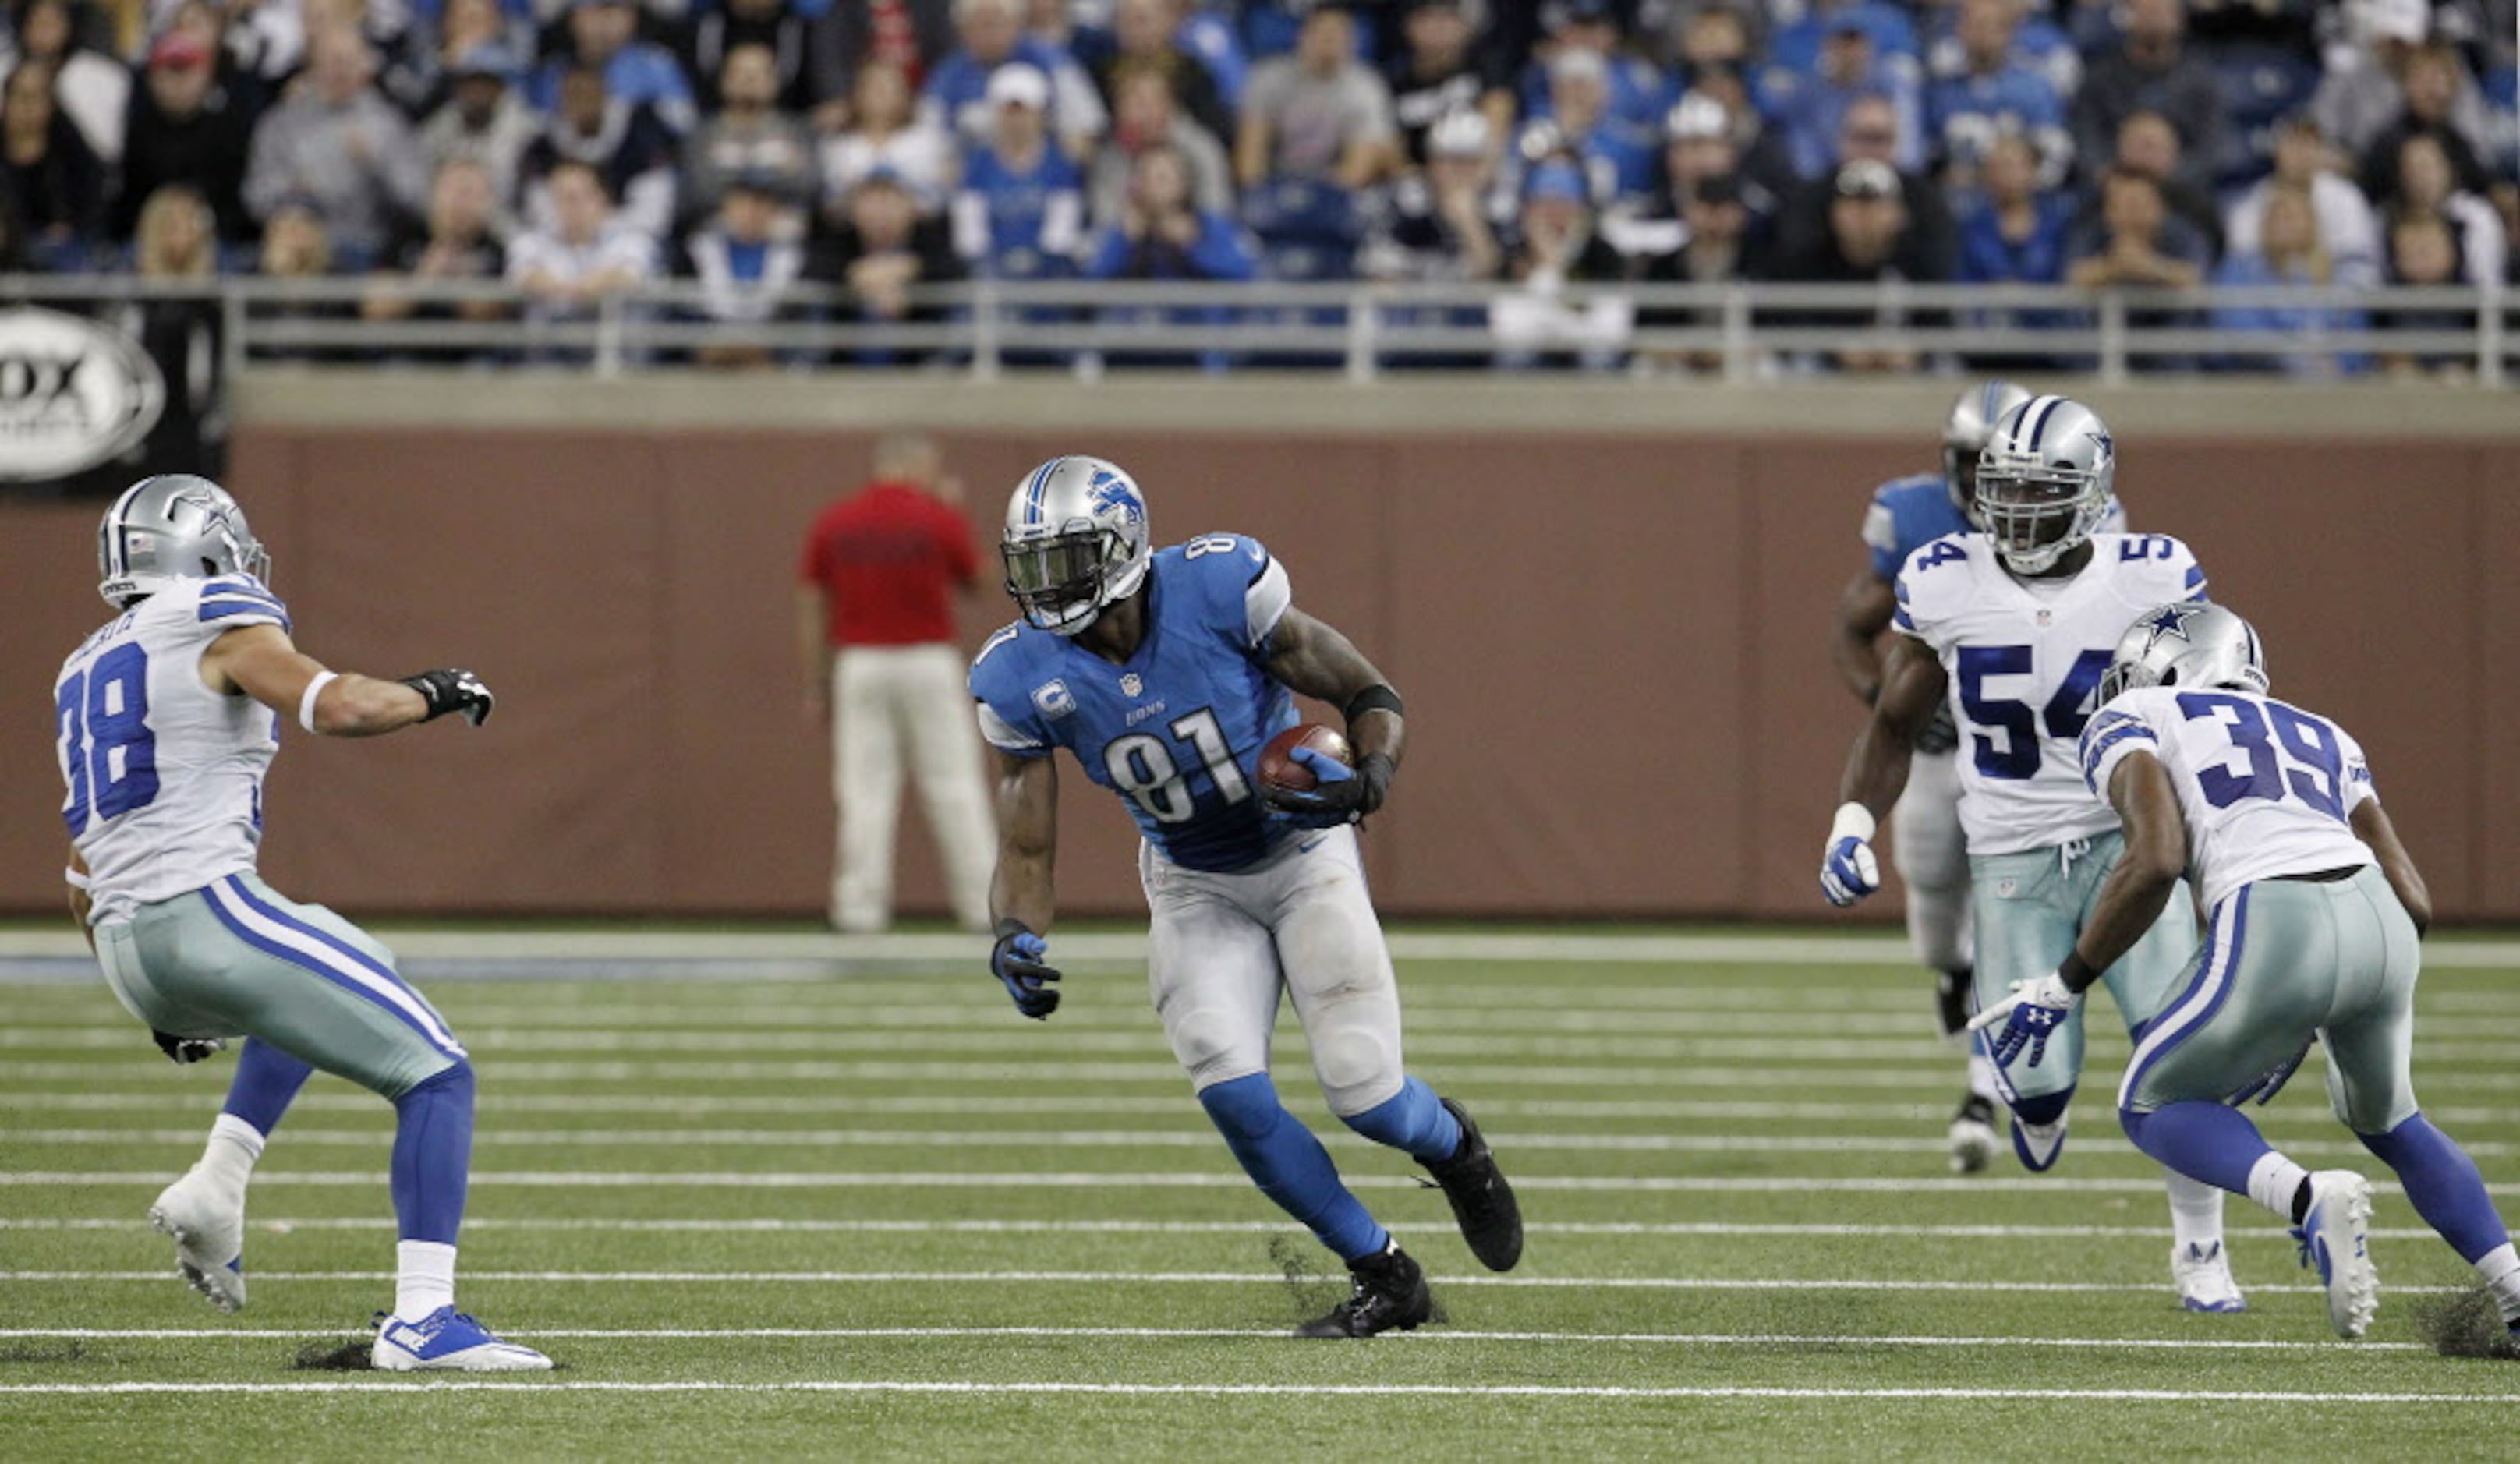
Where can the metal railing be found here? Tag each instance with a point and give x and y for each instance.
(1739, 331)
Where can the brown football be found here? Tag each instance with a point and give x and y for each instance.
(1278, 766)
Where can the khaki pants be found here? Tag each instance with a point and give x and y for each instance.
(893, 705)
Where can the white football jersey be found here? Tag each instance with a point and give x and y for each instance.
(2265, 789)
(165, 776)
(2024, 658)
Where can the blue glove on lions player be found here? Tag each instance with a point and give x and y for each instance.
(1342, 795)
(2031, 1015)
(1847, 871)
(1016, 960)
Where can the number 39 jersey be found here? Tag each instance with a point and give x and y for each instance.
(2265, 789)
(2024, 658)
(165, 776)
(1178, 728)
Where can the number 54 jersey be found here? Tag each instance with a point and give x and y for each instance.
(1177, 730)
(2024, 659)
(163, 774)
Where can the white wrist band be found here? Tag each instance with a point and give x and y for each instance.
(1854, 820)
(314, 688)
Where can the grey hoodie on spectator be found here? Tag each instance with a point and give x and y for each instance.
(357, 161)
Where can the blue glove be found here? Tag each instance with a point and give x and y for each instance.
(1344, 794)
(1016, 960)
(2030, 1016)
(1847, 871)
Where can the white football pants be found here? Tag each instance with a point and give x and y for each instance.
(892, 704)
(1932, 855)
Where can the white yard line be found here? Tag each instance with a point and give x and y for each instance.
(389, 1387)
(1035, 1077)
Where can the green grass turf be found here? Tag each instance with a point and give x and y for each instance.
(901, 1155)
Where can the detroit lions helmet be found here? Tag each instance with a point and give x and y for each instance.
(171, 527)
(1076, 540)
(2044, 481)
(2187, 643)
(1972, 420)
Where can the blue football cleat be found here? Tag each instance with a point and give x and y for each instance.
(2335, 1237)
(2038, 1145)
(448, 1341)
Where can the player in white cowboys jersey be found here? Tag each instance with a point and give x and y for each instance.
(2011, 628)
(168, 717)
(2316, 909)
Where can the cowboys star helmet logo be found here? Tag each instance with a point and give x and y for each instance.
(2169, 620)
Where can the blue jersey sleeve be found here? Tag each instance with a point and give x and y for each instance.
(1013, 716)
(1243, 590)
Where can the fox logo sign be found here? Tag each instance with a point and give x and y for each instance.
(73, 394)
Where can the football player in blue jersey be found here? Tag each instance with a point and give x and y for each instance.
(1906, 514)
(1166, 673)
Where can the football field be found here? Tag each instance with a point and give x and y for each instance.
(773, 1196)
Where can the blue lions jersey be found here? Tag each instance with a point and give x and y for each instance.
(1177, 730)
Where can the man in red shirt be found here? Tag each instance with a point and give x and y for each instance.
(883, 669)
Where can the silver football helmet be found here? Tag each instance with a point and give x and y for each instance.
(1076, 540)
(2187, 643)
(1971, 421)
(171, 527)
(2044, 480)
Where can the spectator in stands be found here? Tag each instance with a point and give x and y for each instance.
(1437, 227)
(1729, 136)
(623, 141)
(716, 32)
(2347, 225)
(2364, 90)
(1870, 132)
(2037, 42)
(49, 169)
(458, 242)
(1578, 128)
(2152, 69)
(1162, 234)
(1994, 93)
(1147, 35)
(885, 250)
(2423, 250)
(2426, 182)
(1717, 224)
(1144, 116)
(184, 128)
(1795, 50)
(483, 121)
(296, 244)
(584, 254)
(907, 35)
(1870, 238)
(2137, 241)
(2432, 83)
(603, 35)
(1442, 71)
(2289, 253)
(1021, 214)
(256, 46)
(1318, 115)
(338, 141)
(2015, 232)
(177, 240)
(1810, 109)
(745, 260)
(1556, 243)
(1634, 93)
(1715, 51)
(887, 134)
(93, 91)
(2149, 143)
(992, 34)
(1700, 147)
(749, 134)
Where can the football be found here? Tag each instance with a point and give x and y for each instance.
(1278, 766)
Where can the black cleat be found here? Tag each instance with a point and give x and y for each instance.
(1484, 1205)
(1390, 1295)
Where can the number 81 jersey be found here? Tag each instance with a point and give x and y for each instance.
(2024, 659)
(1177, 730)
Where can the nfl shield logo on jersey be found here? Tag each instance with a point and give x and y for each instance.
(1131, 686)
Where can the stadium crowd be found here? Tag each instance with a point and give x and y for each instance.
(583, 147)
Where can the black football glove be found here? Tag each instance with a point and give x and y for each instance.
(185, 1050)
(1342, 794)
(453, 692)
(1016, 960)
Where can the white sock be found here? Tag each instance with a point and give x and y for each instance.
(2500, 1270)
(228, 1160)
(1981, 1079)
(2272, 1182)
(423, 1278)
(2196, 1213)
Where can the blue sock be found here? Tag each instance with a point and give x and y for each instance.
(266, 1083)
(1413, 1121)
(433, 1155)
(2043, 1110)
(2444, 1184)
(1290, 1165)
(2206, 1141)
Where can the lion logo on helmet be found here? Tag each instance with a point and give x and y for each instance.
(1111, 493)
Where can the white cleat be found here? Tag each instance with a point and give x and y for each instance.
(2203, 1275)
(1974, 1139)
(448, 1341)
(2335, 1236)
(208, 1228)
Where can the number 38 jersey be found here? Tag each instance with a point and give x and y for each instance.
(2265, 789)
(165, 776)
(1178, 728)
(2024, 658)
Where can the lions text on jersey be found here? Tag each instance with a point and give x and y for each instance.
(2267, 788)
(1177, 730)
(2024, 658)
(164, 775)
